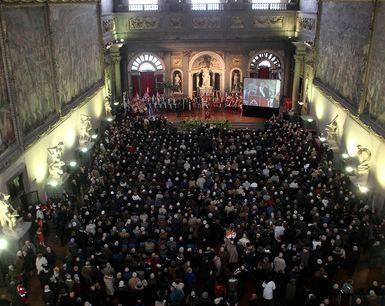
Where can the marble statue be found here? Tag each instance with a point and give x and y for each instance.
(55, 163)
(107, 106)
(8, 215)
(178, 82)
(85, 130)
(364, 157)
(331, 130)
(236, 81)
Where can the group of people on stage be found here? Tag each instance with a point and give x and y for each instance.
(157, 104)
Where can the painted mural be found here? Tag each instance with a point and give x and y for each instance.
(7, 135)
(342, 47)
(76, 48)
(30, 64)
(376, 86)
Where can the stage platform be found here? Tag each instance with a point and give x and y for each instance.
(233, 117)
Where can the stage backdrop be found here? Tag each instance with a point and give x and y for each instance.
(261, 92)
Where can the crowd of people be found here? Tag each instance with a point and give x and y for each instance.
(160, 104)
(206, 216)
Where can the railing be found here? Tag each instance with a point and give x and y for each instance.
(269, 6)
(207, 6)
(143, 7)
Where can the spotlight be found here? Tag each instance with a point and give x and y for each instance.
(73, 163)
(301, 103)
(116, 103)
(363, 189)
(345, 155)
(289, 37)
(109, 119)
(349, 169)
(53, 183)
(310, 120)
(94, 136)
(3, 244)
(322, 139)
(122, 40)
(84, 150)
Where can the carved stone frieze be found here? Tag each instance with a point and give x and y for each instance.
(268, 21)
(176, 22)
(108, 25)
(206, 22)
(237, 22)
(176, 61)
(143, 23)
(306, 23)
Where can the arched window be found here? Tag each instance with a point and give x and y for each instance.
(206, 5)
(142, 5)
(146, 62)
(265, 59)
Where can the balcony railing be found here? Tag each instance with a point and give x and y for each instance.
(269, 6)
(207, 6)
(143, 7)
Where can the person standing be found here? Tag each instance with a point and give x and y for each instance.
(268, 292)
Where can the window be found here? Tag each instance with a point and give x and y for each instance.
(146, 62)
(142, 5)
(268, 5)
(265, 59)
(206, 5)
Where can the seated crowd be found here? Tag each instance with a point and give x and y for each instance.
(206, 216)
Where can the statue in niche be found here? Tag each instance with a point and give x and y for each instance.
(85, 130)
(177, 81)
(364, 157)
(235, 84)
(8, 215)
(55, 163)
(331, 130)
(107, 106)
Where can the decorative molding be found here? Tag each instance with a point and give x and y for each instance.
(143, 23)
(46, 1)
(176, 61)
(306, 23)
(206, 22)
(176, 22)
(108, 25)
(268, 21)
(237, 22)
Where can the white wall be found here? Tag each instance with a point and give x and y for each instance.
(352, 132)
(67, 130)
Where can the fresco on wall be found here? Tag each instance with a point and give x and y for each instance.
(342, 47)
(7, 134)
(3, 87)
(76, 48)
(376, 85)
(30, 64)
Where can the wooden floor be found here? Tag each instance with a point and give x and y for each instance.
(220, 115)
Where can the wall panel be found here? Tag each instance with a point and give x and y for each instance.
(76, 48)
(30, 63)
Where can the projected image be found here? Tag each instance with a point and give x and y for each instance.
(261, 92)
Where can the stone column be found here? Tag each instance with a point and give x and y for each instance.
(115, 56)
(299, 58)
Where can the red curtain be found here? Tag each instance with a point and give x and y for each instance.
(159, 79)
(147, 83)
(253, 75)
(135, 84)
(263, 72)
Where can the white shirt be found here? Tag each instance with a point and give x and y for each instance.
(268, 290)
